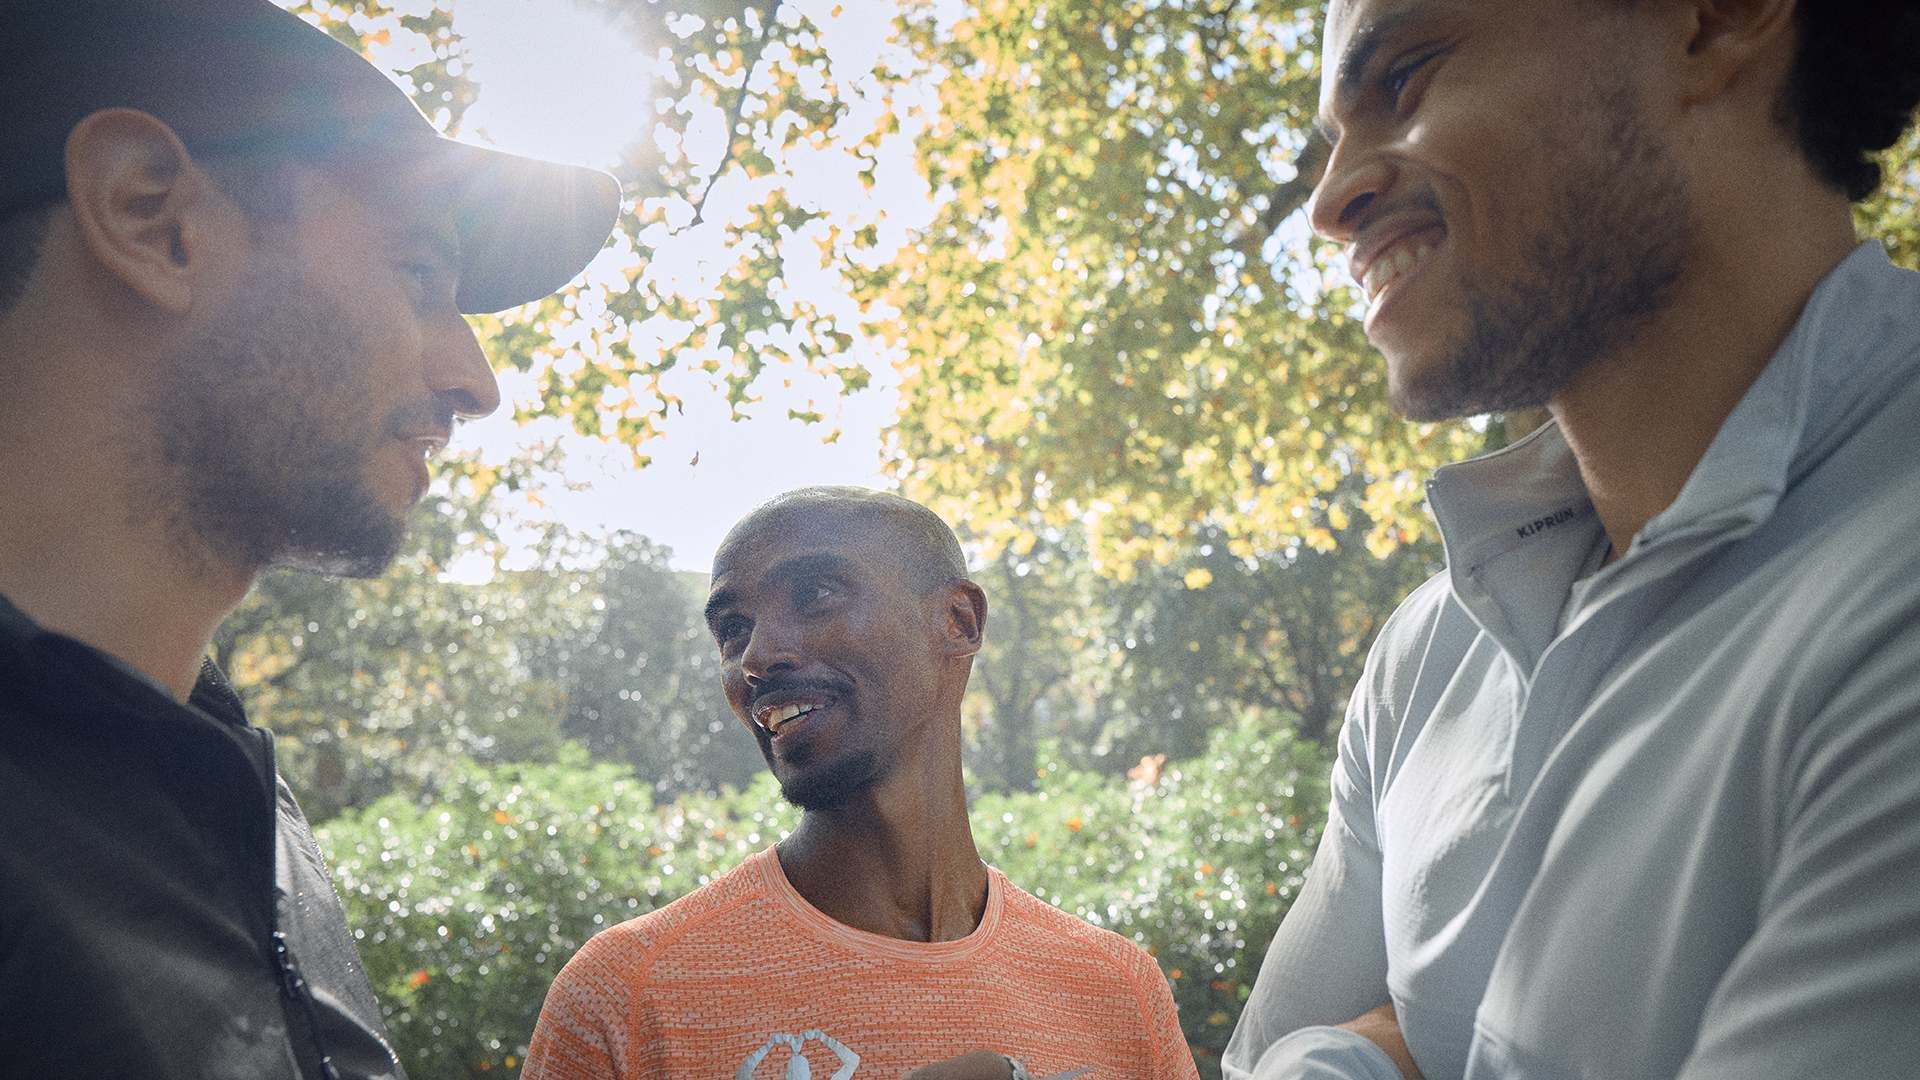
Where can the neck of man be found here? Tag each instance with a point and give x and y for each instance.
(79, 556)
(898, 859)
(1640, 419)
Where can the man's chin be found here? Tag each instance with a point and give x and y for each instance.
(1423, 388)
(833, 785)
(337, 564)
(1462, 383)
(362, 545)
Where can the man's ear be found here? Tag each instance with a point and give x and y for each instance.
(1731, 40)
(966, 619)
(142, 207)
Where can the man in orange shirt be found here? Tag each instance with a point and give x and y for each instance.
(872, 940)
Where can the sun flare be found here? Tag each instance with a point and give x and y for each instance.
(557, 79)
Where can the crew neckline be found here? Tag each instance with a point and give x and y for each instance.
(832, 931)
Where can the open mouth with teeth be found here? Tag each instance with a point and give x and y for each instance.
(774, 718)
(1399, 262)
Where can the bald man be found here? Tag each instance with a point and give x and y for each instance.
(872, 940)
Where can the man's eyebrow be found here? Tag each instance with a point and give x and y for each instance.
(788, 570)
(1360, 52)
(718, 602)
(803, 566)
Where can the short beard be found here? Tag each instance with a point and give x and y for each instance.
(264, 427)
(1605, 264)
(834, 786)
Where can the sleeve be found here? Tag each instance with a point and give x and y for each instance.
(1172, 1057)
(583, 1031)
(1829, 983)
(1325, 1053)
(1328, 961)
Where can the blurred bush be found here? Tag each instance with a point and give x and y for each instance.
(466, 908)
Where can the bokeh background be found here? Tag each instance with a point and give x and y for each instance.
(1038, 263)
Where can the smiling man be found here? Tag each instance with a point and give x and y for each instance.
(872, 940)
(1632, 789)
(233, 265)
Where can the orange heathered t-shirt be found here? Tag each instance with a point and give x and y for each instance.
(743, 978)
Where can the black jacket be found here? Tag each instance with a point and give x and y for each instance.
(164, 911)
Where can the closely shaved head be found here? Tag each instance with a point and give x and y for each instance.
(924, 545)
(847, 628)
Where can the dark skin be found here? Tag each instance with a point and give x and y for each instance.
(808, 612)
(814, 609)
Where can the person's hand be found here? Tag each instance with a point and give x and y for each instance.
(980, 1065)
(1381, 1027)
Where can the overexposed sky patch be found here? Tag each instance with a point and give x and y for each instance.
(556, 80)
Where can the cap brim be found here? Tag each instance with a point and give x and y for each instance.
(527, 227)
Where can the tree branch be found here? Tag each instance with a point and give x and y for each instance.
(750, 60)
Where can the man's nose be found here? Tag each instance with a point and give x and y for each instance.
(1353, 180)
(771, 649)
(457, 369)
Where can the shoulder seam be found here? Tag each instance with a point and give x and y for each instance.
(1128, 965)
(668, 940)
(636, 997)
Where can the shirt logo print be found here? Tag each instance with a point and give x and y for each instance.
(797, 1065)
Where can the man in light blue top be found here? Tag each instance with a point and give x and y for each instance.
(1632, 790)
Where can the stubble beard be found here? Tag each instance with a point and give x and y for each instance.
(835, 786)
(265, 430)
(1604, 265)
(829, 786)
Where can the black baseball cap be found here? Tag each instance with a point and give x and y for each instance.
(231, 75)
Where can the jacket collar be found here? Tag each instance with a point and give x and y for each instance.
(1857, 337)
(43, 665)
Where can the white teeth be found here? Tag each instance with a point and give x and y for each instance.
(773, 719)
(1384, 270)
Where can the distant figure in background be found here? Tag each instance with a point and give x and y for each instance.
(872, 940)
(1632, 790)
(233, 262)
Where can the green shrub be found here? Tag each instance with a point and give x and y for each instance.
(1198, 868)
(467, 908)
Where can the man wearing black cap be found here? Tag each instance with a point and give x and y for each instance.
(233, 264)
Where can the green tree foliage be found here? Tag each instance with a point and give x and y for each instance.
(467, 905)
(1116, 670)
(380, 685)
(1115, 322)
(1214, 634)
(723, 264)
(1198, 860)
(1031, 674)
(1893, 213)
(645, 684)
(372, 685)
